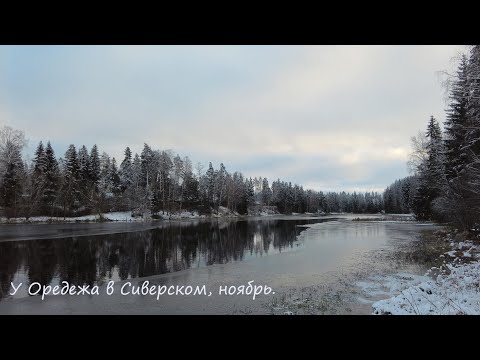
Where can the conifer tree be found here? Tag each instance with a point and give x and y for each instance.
(51, 178)
(94, 165)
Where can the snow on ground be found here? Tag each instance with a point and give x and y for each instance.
(225, 212)
(120, 216)
(183, 215)
(112, 216)
(398, 217)
(387, 218)
(388, 285)
(455, 291)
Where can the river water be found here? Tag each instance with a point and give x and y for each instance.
(312, 265)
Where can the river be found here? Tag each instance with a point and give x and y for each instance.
(312, 264)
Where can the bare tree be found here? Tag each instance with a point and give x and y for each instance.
(419, 155)
(11, 167)
(12, 142)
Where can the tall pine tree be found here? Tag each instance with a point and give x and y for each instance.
(430, 178)
(94, 165)
(51, 178)
(455, 123)
(70, 189)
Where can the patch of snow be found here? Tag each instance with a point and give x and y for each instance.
(389, 285)
(183, 215)
(121, 216)
(462, 245)
(455, 293)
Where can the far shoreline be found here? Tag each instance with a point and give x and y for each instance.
(111, 218)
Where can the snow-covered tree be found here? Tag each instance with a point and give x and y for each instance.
(114, 177)
(125, 172)
(105, 169)
(51, 174)
(70, 190)
(39, 159)
(94, 165)
(210, 182)
(455, 123)
(432, 173)
(84, 166)
(266, 192)
(11, 168)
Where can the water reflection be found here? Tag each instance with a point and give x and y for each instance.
(173, 247)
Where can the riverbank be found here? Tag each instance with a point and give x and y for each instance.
(452, 288)
(126, 216)
(388, 217)
(122, 216)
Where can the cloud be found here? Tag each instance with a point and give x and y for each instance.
(325, 116)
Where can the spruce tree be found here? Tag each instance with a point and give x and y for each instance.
(94, 165)
(473, 108)
(37, 180)
(220, 184)
(125, 172)
(71, 163)
(266, 192)
(250, 192)
(39, 160)
(114, 177)
(147, 161)
(51, 178)
(472, 188)
(105, 169)
(70, 189)
(430, 179)
(455, 123)
(127, 161)
(210, 177)
(84, 166)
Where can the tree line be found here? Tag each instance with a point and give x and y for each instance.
(445, 185)
(86, 181)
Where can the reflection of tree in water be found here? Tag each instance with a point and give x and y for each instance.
(10, 262)
(170, 247)
(77, 259)
(41, 260)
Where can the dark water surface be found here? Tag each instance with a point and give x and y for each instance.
(285, 253)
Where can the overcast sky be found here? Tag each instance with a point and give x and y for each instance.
(327, 117)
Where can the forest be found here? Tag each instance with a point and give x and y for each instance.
(155, 182)
(445, 165)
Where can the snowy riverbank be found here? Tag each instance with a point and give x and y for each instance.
(113, 216)
(222, 212)
(123, 216)
(126, 216)
(451, 289)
